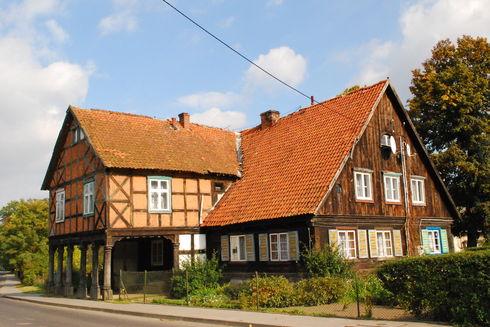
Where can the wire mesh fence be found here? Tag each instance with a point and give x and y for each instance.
(144, 283)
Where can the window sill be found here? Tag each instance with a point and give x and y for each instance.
(364, 201)
(394, 202)
(59, 221)
(88, 215)
(421, 204)
(159, 211)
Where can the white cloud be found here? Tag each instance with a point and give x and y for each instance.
(422, 24)
(275, 2)
(34, 95)
(123, 19)
(234, 120)
(58, 33)
(227, 22)
(283, 62)
(205, 100)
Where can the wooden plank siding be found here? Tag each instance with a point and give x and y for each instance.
(341, 208)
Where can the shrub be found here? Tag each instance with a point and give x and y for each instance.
(326, 262)
(269, 291)
(453, 287)
(210, 297)
(233, 290)
(194, 276)
(319, 290)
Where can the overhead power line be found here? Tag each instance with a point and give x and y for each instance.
(311, 98)
(236, 51)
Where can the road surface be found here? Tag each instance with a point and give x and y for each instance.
(18, 313)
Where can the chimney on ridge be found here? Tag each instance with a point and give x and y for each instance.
(184, 119)
(269, 118)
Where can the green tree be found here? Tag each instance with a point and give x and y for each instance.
(450, 109)
(23, 238)
(349, 90)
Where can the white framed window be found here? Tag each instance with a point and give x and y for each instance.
(60, 205)
(392, 187)
(279, 246)
(159, 194)
(157, 252)
(88, 198)
(363, 185)
(237, 247)
(347, 243)
(385, 245)
(434, 241)
(418, 190)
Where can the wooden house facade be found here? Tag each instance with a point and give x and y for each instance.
(145, 212)
(350, 172)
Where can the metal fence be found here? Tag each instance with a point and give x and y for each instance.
(144, 283)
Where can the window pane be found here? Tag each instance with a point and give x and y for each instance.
(154, 200)
(164, 200)
(359, 187)
(164, 184)
(241, 247)
(379, 237)
(154, 185)
(367, 193)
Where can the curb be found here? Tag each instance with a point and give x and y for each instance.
(142, 314)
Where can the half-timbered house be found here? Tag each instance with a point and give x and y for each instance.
(350, 172)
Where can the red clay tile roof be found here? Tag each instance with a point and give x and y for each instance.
(289, 167)
(139, 142)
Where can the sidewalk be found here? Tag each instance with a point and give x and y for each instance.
(8, 289)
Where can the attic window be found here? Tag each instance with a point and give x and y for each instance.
(218, 191)
(78, 135)
(385, 140)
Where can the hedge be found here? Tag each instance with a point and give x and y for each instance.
(452, 287)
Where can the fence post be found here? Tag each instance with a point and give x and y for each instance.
(144, 288)
(257, 289)
(357, 297)
(120, 283)
(187, 287)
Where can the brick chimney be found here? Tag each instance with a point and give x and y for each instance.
(184, 119)
(269, 118)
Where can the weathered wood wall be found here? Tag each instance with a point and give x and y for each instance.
(77, 162)
(341, 204)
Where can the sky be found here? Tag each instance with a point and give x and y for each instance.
(139, 56)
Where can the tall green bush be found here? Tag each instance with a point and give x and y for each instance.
(326, 262)
(319, 290)
(453, 287)
(268, 291)
(195, 276)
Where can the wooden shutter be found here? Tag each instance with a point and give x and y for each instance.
(225, 248)
(250, 247)
(263, 247)
(293, 246)
(332, 238)
(397, 240)
(444, 241)
(425, 241)
(373, 243)
(362, 243)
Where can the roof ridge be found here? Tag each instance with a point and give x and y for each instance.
(113, 112)
(168, 120)
(364, 88)
(302, 110)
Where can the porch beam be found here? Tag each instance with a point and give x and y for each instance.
(69, 271)
(95, 288)
(58, 283)
(50, 286)
(106, 288)
(82, 284)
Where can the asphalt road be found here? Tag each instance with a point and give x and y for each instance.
(18, 313)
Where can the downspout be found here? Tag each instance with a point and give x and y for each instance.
(405, 195)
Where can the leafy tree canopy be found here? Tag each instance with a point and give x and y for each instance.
(450, 109)
(23, 238)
